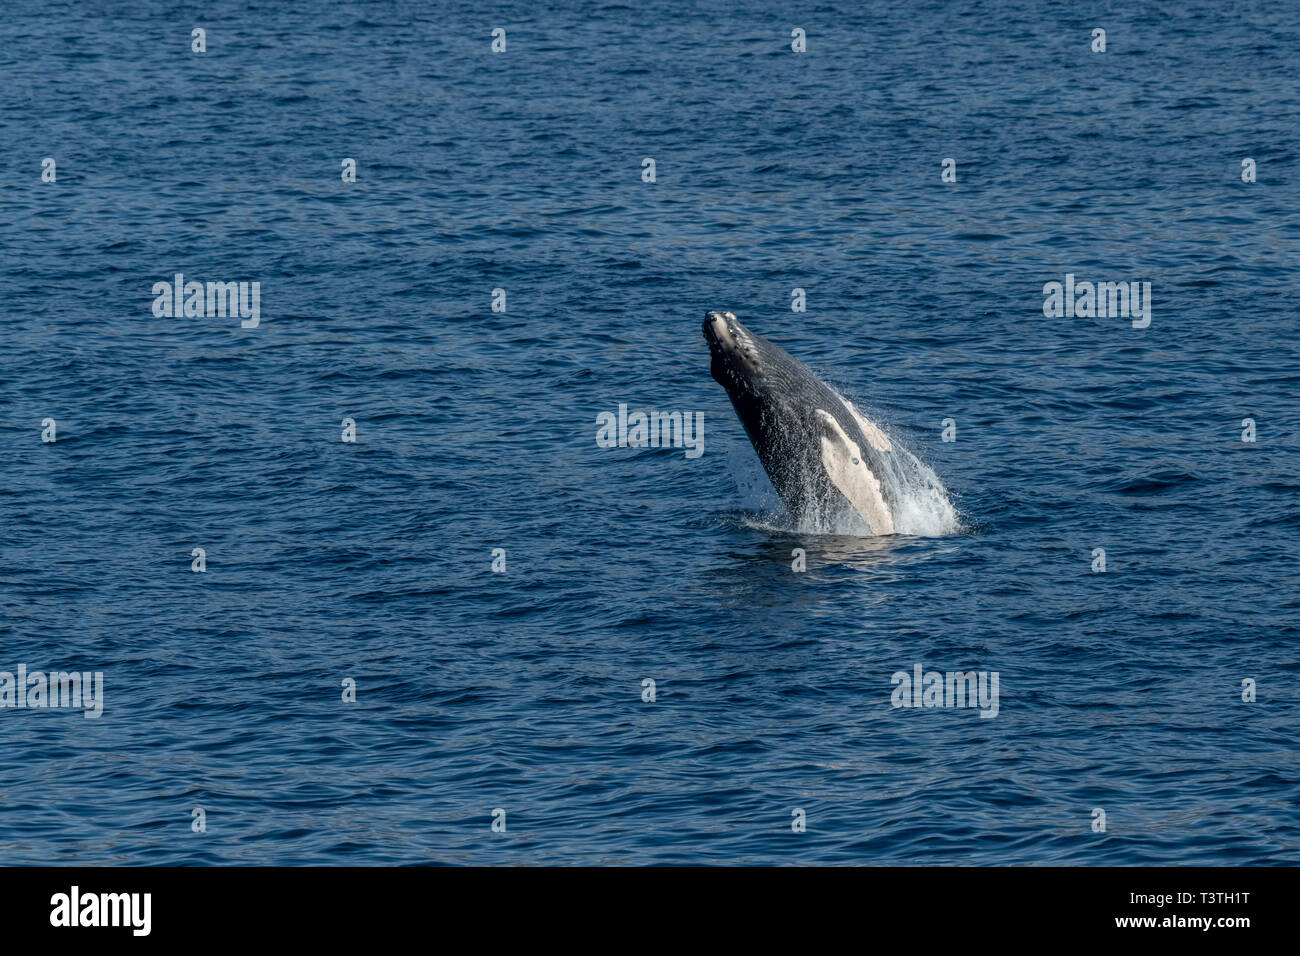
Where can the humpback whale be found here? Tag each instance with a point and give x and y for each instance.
(834, 469)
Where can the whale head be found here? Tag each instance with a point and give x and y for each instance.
(748, 366)
(744, 364)
(774, 396)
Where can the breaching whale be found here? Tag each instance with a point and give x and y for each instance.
(833, 468)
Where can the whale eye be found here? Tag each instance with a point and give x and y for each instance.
(855, 461)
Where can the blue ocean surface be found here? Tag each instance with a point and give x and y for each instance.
(1161, 691)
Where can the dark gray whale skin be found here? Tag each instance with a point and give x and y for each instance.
(777, 398)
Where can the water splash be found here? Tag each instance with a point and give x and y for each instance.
(921, 505)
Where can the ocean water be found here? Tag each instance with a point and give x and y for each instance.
(371, 561)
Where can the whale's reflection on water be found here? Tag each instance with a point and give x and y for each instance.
(862, 551)
(856, 552)
(770, 577)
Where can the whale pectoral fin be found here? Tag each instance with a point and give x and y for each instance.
(849, 472)
(879, 440)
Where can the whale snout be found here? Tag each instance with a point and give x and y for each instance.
(720, 328)
(737, 354)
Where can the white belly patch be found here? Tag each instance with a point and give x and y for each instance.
(848, 472)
